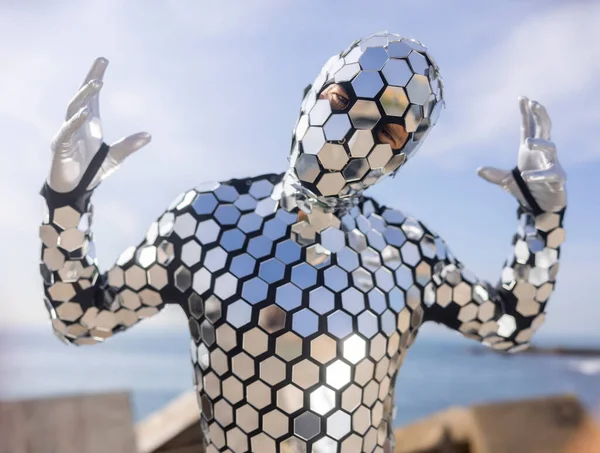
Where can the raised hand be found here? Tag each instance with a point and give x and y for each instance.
(537, 162)
(80, 138)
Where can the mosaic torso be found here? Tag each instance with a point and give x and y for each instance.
(299, 321)
(297, 332)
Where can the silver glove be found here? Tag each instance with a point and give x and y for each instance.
(537, 162)
(80, 138)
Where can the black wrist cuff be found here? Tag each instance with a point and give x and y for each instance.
(533, 205)
(80, 193)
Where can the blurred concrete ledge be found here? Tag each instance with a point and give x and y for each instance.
(100, 423)
(103, 424)
(557, 424)
(174, 429)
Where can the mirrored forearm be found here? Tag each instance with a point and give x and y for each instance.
(504, 316)
(85, 305)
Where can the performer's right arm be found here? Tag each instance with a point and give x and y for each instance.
(87, 306)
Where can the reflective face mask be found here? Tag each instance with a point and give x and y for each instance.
(386, 79)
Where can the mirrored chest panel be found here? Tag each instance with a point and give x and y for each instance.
(299, 321)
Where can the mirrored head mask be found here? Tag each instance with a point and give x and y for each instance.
(365, 115)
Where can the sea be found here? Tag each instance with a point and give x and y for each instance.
(440, 370)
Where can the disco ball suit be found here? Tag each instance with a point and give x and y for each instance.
(302, 293)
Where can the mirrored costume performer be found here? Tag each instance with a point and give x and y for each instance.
(302, 293)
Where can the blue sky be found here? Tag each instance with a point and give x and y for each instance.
(218, 84)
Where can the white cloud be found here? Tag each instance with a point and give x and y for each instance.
(549, 56)
(219, 19)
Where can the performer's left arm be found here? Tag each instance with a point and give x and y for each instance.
(506, 315)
